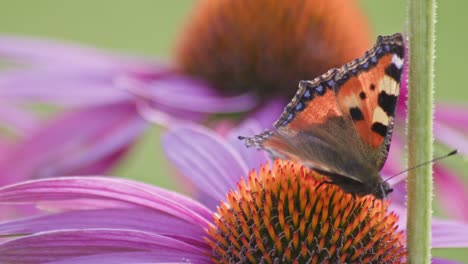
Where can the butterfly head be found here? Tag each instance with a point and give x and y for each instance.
(382, 190)
(374, 186)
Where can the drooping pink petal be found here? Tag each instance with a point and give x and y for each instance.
(403, 98)
(136, 258)
(74, 75)
(9, 212)
(449, 234)
(166, 116)
(173, 99)
(194, 95)
(450, 137)
(452, 115)
(205, 159)
(131, 219)
(443, 261)
(452, 192)
(173, 197)
(64, 86)
(86, 141)
(184, 93)
(445, 233)
(4, 149)
(46, 52)
(107, 189)
(81, 204)
(268, 113)
(63, 244)
(167, 94)
(394, 163)
(18, 120)
(393, 166)
(66, 73)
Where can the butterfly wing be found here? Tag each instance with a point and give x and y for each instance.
(369, 98)
(305, 132)
(329, 125)
(295, 147)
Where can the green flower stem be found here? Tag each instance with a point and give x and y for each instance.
(421, 23)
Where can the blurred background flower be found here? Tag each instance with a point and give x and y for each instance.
(89, 81)
(227, 49)
(267, 46)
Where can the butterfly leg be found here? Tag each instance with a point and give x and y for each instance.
(324, 182)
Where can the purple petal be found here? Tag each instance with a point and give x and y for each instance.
(131, 219)
(67, 73)
(165, 115)
(173, 197)
(452, 192)
(443, 261)
(267, 114)
(9, 212)
(137, 258)
(81, 204)
(60, 245)
(403, 98)
(4, 147)
(445, 233)
(205, 159)
(449, 234)
(63, 86)
(17, 119)
(87, 141)
(49, 52)
(394, 165)
(119, 190)
(186, 94)
(455, 116)
(451, 137)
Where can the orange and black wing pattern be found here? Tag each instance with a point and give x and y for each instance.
(353, 107)
(341, 122)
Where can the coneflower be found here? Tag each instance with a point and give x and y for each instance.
(285, 215)
(204, 157)
(268, 46)
(276, 215)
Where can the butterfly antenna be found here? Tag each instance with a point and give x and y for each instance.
(453, 152)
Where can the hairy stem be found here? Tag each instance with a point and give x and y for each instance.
(421, 32)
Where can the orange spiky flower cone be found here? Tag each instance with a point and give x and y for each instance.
(284, 215)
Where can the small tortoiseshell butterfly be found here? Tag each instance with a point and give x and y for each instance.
(340, 124)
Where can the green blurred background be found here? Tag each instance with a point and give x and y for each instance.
(150, 27)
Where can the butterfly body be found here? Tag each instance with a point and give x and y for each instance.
(340, 124)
